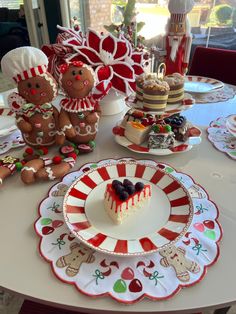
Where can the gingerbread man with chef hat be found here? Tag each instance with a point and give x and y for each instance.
(177, 41)
(36, 117)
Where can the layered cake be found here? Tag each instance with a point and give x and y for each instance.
(176, 84)
(139, 83)
(179, 126)
(136, 132)
(123, 199)
(155, 95)
(161, 136)
(132, 115)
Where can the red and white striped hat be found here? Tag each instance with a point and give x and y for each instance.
(24, 62)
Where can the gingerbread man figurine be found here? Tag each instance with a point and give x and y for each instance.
(79, 254)
(175, 257)
(36, 117)
(80, 111)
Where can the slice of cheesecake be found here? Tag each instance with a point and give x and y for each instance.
(123, 199)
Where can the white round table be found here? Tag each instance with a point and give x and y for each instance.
(23, 271)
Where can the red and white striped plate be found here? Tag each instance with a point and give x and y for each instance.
(201, 85)
(165, 220)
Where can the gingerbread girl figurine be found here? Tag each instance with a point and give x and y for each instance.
(36, 117)
(80, 111)
(176, 44)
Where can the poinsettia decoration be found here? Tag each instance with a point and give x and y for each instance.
(59, 52)
(113, 59)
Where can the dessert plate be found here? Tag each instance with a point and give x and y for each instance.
(231, 124)
(179, 147)
(160, 223)
(201, 85)
(187, 103)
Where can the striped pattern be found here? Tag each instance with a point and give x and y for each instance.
(30, 73)
(178, 222)
(215, 83)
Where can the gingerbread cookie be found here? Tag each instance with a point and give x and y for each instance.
(79, 254)
(44, 169)
(36, 117)
(80, 111)
(175, 257)
(61, 190)
(7, 167)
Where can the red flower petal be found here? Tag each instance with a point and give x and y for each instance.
(137, 57)
(119, 84)
(108, 43)
(132, 86)
(121, 50)
(90, 54)
(137, 69)
(93, 40)
(104, 73)
(123, 70)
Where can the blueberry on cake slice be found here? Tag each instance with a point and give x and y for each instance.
(123, 199)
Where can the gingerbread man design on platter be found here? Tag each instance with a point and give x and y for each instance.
(80, 111)
(79, 254)
(36, 117)
(175, 257)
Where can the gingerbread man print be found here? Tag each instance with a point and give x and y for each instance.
(79, 254)
(175, 257)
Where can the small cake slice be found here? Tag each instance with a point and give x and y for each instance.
(179, 126)
(161, 136)
(136, 132)
(123, 199)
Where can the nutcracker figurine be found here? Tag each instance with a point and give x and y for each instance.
(177, 41)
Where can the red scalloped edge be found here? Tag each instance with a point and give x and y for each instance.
(144, 294)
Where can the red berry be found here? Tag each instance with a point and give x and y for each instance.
(29, 151)
(57, 160)
(144, 121)
(44, 150)
(73, 155)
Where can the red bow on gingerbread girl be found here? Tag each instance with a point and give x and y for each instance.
(80, 111)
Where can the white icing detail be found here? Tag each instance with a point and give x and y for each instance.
(19, 119)
(60, 132)
(29, 169)
(66, 127)
(70, 161)
(46, 161)
(50, 173)
(51, 125)
(52, 133)
(88, 130)
(46, 116)
(39, 140)
(1, 181)
(52, 83)
(35, 144)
